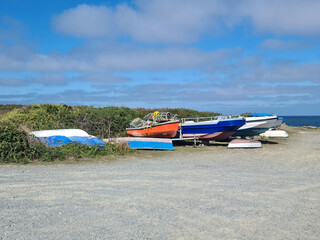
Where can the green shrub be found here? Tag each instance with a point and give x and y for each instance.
(98, 121)
(182, 112)
(4, 109)
(245, 114)
(14, 145)
(43, 117)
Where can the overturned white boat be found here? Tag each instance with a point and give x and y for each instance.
(61, 132)
(275, 134)
(244, 143)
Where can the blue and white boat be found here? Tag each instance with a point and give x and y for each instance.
(59, 137)
(256, 124)
(210, 128)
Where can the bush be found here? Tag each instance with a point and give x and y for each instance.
(14, 145)
(182, 112)
(102, 122)
(43, 117)
(4, 109)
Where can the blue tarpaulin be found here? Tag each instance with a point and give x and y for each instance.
(54, 141)
(91, 141)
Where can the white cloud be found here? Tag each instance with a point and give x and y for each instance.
(229, 98)
(282, 73)
(162, 59)
(275, 44)
(185, 21)
(12, 82)
(179, 21)
(85, 21)
(50, 79)
(118, 58)
(45, 80)
(293, 17)
(104, 78)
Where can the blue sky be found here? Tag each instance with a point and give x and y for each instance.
(226, 56)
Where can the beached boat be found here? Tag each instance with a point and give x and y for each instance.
(244, 143)
(256, 124)
(147, 143)
(210, 128)
(154, 125)
(59, 137)
(275, 134)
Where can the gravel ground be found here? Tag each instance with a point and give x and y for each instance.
(203, 193)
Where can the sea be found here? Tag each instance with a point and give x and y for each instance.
(300, 121)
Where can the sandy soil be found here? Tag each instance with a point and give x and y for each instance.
(192, 193)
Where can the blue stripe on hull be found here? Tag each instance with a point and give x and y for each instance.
(222, 126)
(250, 132)
(150, 145)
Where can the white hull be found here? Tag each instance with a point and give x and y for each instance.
(252, 125)
(275, 134)
(267, 122)
(61, 132)
(244, 143)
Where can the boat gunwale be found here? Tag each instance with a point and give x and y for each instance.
(214, 124)
(212, 118)
(260, 120)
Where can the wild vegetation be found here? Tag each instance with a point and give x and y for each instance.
(7, 108)
(17, 120)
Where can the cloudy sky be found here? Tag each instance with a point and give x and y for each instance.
(228, 56)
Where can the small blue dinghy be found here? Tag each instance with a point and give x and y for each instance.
(147, 143)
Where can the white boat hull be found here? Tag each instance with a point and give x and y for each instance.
(268, 122)
(244, 143)
(256, 125)
(252, 125)
(275, 134)
(61, 132)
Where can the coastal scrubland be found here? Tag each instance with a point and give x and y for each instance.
(104, 122)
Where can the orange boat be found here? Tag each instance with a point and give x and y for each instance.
(158, 130)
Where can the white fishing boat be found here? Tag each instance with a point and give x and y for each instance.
(257, 124)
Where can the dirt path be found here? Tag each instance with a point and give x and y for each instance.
(202, 193)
